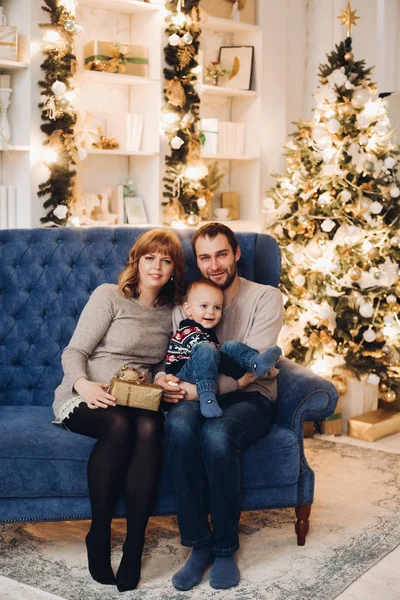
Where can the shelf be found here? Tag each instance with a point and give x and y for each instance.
(14, 148)
(217, 24)
(11, 65)
(122, 6)
(228, 157)
(119, 152)
(116, 78)
(219, 90)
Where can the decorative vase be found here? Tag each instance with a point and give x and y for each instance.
(5, 131)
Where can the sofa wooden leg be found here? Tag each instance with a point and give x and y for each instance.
(302, 524)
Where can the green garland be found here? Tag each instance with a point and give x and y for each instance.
(181, 113)
(58, 115)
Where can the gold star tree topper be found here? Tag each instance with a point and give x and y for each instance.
(348, 18)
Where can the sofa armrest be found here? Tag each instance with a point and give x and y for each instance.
(302, 396)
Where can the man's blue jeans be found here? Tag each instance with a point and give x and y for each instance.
(205, 362)
(204, 457)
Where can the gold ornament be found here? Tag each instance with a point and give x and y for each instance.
(349, 56)
(292, 312)
(373, 253)
(293, 271)
(387, 351)
(355, 273)
(389, 396)
(379, 336)
(383, 387)
(353, 332)
(106, 143)
(175, 92)
(348, 17)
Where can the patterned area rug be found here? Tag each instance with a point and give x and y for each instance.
(355, 522)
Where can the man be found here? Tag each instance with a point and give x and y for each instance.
(204, 454)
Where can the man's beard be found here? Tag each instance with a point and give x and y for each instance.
(229, 279)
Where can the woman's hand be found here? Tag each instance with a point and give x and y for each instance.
(94, 393)
(172, 387)
(245, 380)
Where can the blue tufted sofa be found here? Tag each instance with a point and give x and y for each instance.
(46, 277)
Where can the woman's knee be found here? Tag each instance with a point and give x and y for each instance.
(149, 429)
(116, 425)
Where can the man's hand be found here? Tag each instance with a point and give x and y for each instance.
(245, 380)
(172, 393)
(190, 390)
(94, 393)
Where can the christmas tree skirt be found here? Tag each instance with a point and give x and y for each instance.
(354, 524)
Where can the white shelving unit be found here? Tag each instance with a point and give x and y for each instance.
(242, 173)
(138, 22)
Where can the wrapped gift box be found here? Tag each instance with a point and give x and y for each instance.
(209, 129)
(8, 42)
(361, 397)
(224, 9)
(374, 425)
(135, 62)
(332, 425)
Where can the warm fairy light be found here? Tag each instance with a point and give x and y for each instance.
(367, 246)
(321, 366)
(50, 156)
(69, 5)
(197, 70)
(75, 221)
(196, 171)
(70, 96)
(51, 36)
(178, 225)
(179, 19)
(169, 118)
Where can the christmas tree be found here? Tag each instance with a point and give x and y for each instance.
(335, 214)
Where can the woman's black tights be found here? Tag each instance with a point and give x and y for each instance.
(126, 459)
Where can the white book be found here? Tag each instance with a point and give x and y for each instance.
(3, 207)
(136, 131)
(117, 205)
(240, 139)
(222, 138)
(11, 207)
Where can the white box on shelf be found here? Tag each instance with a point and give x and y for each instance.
(117, 203)
(209, 128)
(11, 207)
(3, 207)
(231, 138)
(8, 42)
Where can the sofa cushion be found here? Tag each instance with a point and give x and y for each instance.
(40, 459)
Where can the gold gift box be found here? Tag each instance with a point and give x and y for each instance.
(136, 395)
(224, 9)
(8, 42)
(374, 425)
(332, 425)
(102, 56)
(230, 200)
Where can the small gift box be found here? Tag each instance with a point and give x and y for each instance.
(239, 10)
(129, 389)
(332, 425)
(113, 57)
(8, 42)
(374, 425)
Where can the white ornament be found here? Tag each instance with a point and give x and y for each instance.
(179, 19)
(391, 299)
(187, 38)
(373, 379)
(388, 320)
(337, 77)
(344, 196)
(320, 135)
(369, 335)
(299, 280)
(389, 162)
(328, 225)
(81, 154)
(61, 211)
(366, 202)
(298, 258)
(360, 97)
(58, 88)
(177, 142)
(376, 208)
(201, 202)
(394, 191)
(333, 125)
(269, 203)
(174, 40)
(324, 199)
(366, 310)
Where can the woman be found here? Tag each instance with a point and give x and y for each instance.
(129, 323)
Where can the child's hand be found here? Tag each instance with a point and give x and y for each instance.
(245, 380)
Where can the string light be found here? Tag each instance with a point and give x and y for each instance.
(50, 156)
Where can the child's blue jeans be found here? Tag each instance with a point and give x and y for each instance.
(205, 362)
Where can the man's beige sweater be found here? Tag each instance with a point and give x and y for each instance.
(254, 317)
(113, 331)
